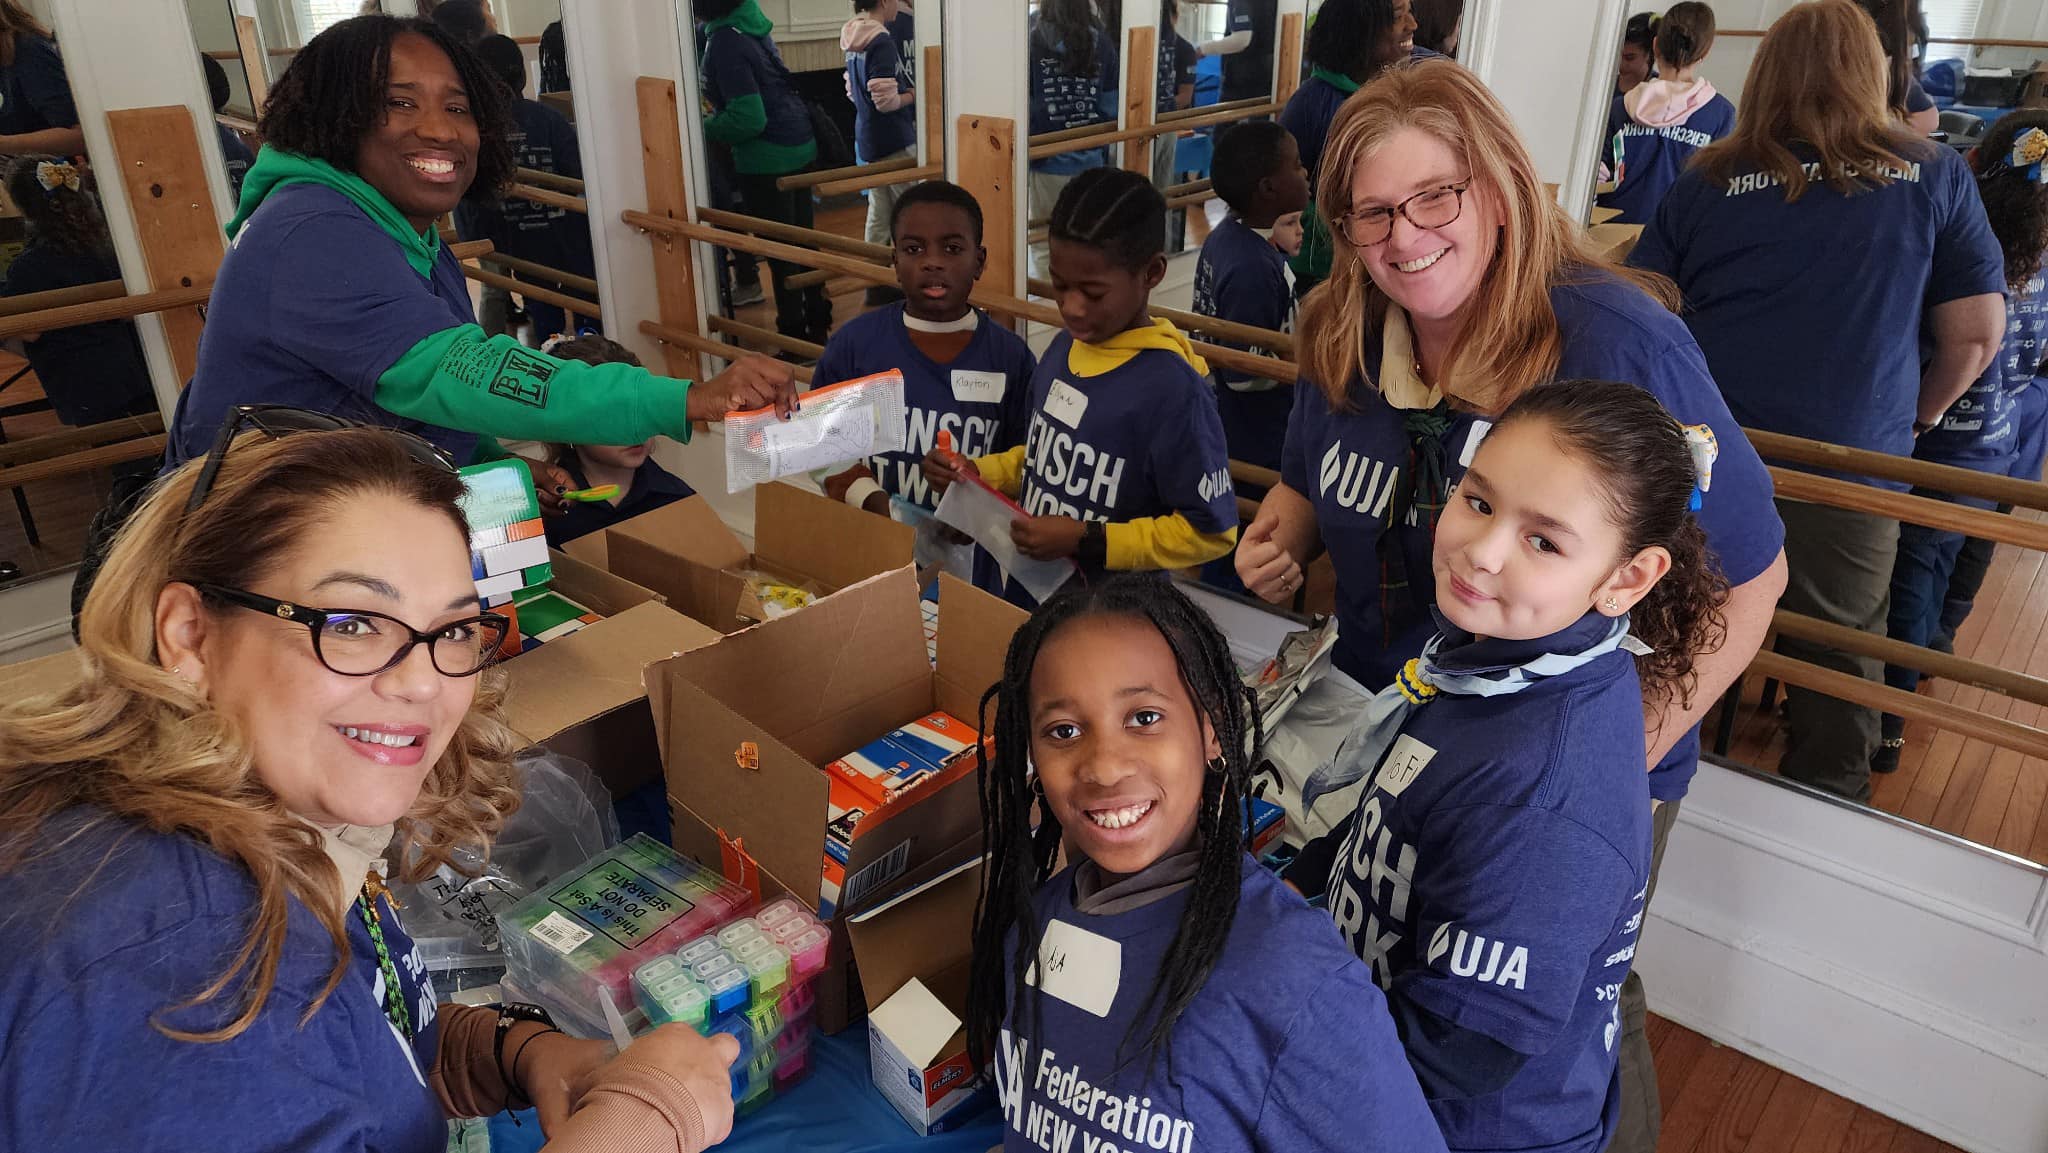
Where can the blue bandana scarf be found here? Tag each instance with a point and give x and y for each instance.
(1422, 680)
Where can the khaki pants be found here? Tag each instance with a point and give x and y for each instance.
(882, 202)
(1642, 1113)
(1044, 189)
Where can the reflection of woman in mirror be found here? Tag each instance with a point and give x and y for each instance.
(1638, 48)
(1437, 25)
(1840, 277)
(36, 112)
(339, 295)
(554, 59)
(1657, 127)
(1074, 83)
(189, 824)
(91, 372)
(1999, 426)
(1460, 284)
(1897, 21)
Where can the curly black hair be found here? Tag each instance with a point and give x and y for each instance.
(333, 95)
(2016, 205)
(67, 221)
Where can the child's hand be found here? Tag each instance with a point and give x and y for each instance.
(836, 487)
(1047, 537)
(942, 466)
(549, 483)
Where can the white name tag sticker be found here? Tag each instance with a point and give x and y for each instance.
(1078, 967)
(1405, 762)
(1479, 430)
(978, 387)
(1066, 404)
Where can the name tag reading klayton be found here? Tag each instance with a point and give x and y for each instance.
(1066, 404)
(1078, 967)
(971, 387)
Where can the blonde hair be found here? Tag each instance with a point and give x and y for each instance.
(1818, 80)
(1511, 341)
(140, 745)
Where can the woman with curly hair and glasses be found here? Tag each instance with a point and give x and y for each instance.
(338, 294)
(283, 679)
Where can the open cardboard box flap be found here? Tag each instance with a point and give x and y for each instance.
(828, 541)
(925, 933)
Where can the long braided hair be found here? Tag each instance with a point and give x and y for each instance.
(1020, 857)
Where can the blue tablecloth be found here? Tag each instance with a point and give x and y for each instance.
(835, 1110)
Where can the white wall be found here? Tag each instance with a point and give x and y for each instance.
(1551, 62)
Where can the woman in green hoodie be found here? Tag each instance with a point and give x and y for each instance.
(338, 295)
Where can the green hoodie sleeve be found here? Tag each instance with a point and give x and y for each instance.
(742, 119)
(497, 387)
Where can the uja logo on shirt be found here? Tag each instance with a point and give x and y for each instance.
(1356, 481)
(1480, 959)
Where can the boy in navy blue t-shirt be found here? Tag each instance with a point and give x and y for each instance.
(1123, 465)
(1242, 276)
(964, 374)
(643, 485)
(879, 84)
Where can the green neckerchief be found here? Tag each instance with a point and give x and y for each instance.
(275, 169)
(1337, 80)
(747, 18)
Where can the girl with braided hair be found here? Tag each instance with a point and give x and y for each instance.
(1182, 997)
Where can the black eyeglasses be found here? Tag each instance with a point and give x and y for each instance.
(1431, 208)
(356, 643)
(279, 420)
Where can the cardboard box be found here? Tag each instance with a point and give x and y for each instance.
(584, 696)
(802, 690)
(684, 551)
(1615, 241)
(914, 952)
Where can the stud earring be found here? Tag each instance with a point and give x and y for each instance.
(1611, 606)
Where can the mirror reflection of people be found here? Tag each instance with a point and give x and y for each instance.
(1438, 24)
(282, 674)
(89, 372)
(1896, 22)
(1654, 131)
(1460, 285)
(37, 116)
(884, 107)
(1638, 49)
(234, 154)
(1074, 77)
(339, 295)
(1247, 49)
(1866, 351)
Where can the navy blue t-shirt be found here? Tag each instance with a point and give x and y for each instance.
(1140, 440)
(979, 397)
(903, 30)
(653, 486)
(877, 134)
(1308, 115)
(1250, 73)
(1062, 100)
(34, 92)
(236, 157)
(1494, 875)
(1349, 464)
(313, 303)
(1287, 1048)
(543, 233)
(735, 64)
(1241, 277)
(1174, 64)
(90, 372)
(161, 920)
(1810, 313)
(1652, 158)
(1981, 429)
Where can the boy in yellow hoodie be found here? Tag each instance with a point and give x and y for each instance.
(1124, 465)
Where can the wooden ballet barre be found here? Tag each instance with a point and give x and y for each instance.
(792, 234)
(531, 291)
(1084, 143)
(1244, 334)
(1253, 105)
(554, 180)
(987, 298)
(1188, 189)
(1252, 474)
(467, 249)
(862, 184)
(1904, 469)
(1920, 510)
(53, 444)
(767, 336)
(236, 122)
(1953, 718)
(541, 272)
(1077, 132)
(1974, 674)
(60, 297)
(1191, 199)
(93, 312)
(849, 172)
(86, 460)
(816, 278)
(548, 197)
(706, 346)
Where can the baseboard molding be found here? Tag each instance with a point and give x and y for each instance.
(1899, 968)
(35, 617)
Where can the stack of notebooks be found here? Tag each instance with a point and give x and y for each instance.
(508, 555)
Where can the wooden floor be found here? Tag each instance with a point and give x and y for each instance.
(1716, 1100)
(61, 508)
(1970, 788)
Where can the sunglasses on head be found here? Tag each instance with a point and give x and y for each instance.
(278, 420)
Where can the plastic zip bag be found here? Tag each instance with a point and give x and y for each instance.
(981, 512)
(837, 424)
